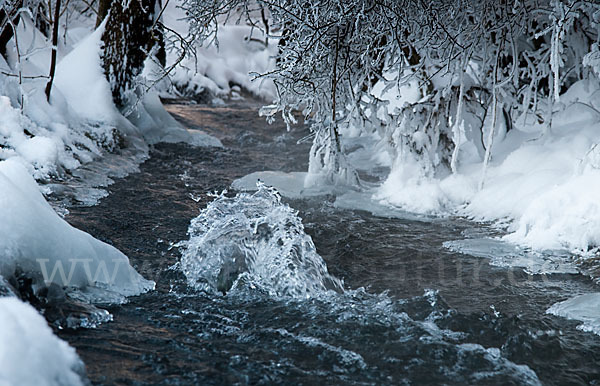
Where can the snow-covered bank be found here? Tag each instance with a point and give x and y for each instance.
(542, 187)
(223, 70)
(51, 138)
(52, 141)
(30, 354)
(81, 122)
(36, 240)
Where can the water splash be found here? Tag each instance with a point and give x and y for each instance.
(257, 241)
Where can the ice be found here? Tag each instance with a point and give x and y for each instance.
(35, 239)
(254, 240)
(287, 184)
(362, 200)
(291, 185)
(504, 254)
(30, 354)
(584, 308)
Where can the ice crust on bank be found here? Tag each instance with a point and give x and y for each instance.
(505, 254)
(584, 308)
(30, 354)
(287, 184)
(291, 185)
(35, 239)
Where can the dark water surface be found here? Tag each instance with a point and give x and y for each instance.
(413, 312)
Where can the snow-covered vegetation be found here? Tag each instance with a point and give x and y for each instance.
(480, 108)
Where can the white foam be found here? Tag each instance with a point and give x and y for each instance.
(254, 240)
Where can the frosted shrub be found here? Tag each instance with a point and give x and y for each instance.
(478, 65)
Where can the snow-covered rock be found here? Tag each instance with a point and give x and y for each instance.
(30, 354)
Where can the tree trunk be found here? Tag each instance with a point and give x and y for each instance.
(55, 23)
(103, 7)
(127, 40)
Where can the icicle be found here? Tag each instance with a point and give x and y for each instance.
(458, 127)
(490, 141)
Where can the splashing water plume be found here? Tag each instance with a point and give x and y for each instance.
(257, 240)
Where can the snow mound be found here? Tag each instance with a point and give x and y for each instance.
(78, 125)
(584, 308)
(30, 354)
(148, 119)
(157, 125)
(41, 152)
(542, 183)
(35, 239)
(80, 78)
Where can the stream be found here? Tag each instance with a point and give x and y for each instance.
(409, 311)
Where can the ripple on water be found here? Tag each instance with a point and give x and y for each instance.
(279, 298)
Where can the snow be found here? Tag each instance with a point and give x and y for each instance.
(37, 240)
(88, 93)
(219, 69)
(545, 187)
(41, 140)
(39, 152)
(30, 354)
(80, 78)
(397, 95)
(584, 308)
(157, 125)
(80, 121)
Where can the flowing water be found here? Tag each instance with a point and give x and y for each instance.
(252, 288)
